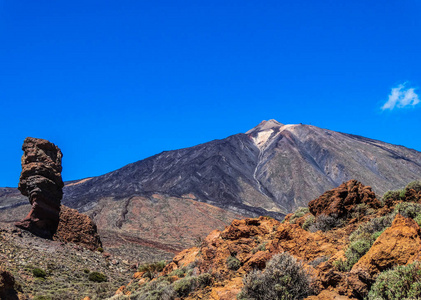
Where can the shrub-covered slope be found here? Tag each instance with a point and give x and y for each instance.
(348, 244)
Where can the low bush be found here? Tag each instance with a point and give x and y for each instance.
(181, 272)
(204, 279)
(391, 196)
(97, 277)
(361, 210)
(374, 226)
(284, 278)
(233, 263)
(362, 239)
(317, 261)
(415, 185)
(154, 290)
(408, 209)
(261, 247)
(397, 195)
(325, 223)
(152, 269)
(308, 222)
(357, 249)
(301, 211)
(402, 282)
(185, 285)
(40, 273)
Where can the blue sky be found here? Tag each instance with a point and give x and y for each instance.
(113, 82)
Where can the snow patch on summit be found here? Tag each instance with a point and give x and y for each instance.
(262, 137)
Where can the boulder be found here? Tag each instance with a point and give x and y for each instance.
(341, 201)
(41, 181)
(77, 228)
(7, 285)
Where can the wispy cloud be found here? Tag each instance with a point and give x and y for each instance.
(401, 97)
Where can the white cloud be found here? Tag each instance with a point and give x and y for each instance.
(400, 97)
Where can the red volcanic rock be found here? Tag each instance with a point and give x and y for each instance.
(41, 181)
(77, 228)
(343, 199)
(7, 285)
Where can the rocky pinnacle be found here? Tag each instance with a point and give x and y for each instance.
(41, 181)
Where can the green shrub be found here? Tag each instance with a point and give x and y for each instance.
(325, 223)
(152, 269)
(408, 209)
(233, 263)
(261, 247)
(100, 249)
(375, 225)
(415, 185)
(317, 261)
(284, 278)
(42, 297)
(308, 222)
(402, 282)
(361, 210)
(159, 289)
(301, 211)
(362, 239)
(204, 279)
(392, 195)
(185, 285)
(178, 272)
(356, 250)
(86, 271)
(97, 277)
(40, 273)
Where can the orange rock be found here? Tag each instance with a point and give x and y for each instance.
(257, 261)
(301, 243)
(341, 200)
(328, 295)
(120, 290)
(77, 228)
(182, 259)
(398, 245)
(138, 275)
(227, 292)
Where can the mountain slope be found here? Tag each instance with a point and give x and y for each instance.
(273, 168)
(270, 170)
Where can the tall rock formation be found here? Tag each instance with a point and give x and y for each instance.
(41, 181)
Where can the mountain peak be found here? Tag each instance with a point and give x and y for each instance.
(265, 125)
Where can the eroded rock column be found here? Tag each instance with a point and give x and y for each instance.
(41, 181)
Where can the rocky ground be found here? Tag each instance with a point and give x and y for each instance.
(345, 241)
(67, 267)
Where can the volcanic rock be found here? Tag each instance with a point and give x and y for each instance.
(77, 228)
(7, 285)
(341, 201)
(41, 181)
(398, 245)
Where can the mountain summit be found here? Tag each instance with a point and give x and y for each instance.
(266, 125)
